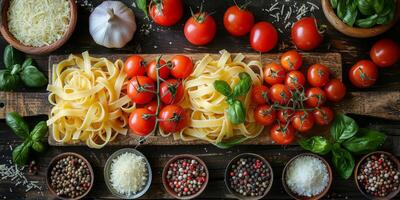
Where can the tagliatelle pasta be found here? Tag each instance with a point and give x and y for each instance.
(89, 105)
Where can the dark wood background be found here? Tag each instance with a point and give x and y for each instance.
(171, 40)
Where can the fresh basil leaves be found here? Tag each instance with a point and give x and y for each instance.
(343, 127)
(316, 144)
(365, 141)
(343, 161)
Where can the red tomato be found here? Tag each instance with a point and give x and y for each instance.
(295, 80)
(200, 29)
(163, 71)
(173, 118)
(182, 66)
(141, 89)
(318, 75)
(363, 74)
(323, 115)
(171, 91)
(285, 115)
(152, 106)
(273, 73)
(305, 34)
(291, 60)
(335, 90)
(259, 94)
(316, 97)
(280, 93)
(238, 21)
(166, 12)
(265, 115)
(303, 121)
(385, 53)
(282, 135)
(142, 121)
(263, 37)
(134, 66)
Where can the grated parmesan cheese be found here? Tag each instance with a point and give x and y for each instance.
(38, 23)
(15, 174)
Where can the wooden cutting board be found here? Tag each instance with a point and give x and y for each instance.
(377, 104)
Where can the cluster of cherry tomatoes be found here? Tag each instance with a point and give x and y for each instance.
(291, 104)
(161, 80)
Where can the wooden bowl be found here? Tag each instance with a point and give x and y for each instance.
(396, 162)
(299, 197)
(63, 155)
(165, 171)
(354, 31)
(246, 155)
(36, 50)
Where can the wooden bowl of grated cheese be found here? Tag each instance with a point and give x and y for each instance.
(36, 28)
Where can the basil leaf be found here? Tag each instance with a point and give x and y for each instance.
(17, 124)
(343, 127)
(243, 86)
(38, 147)
(365, 141)
(343, 161)
(334, 3)
(367, 22)
(227, 145)
(12, 56)
(316, 144)
(15, 69)
(236, 112)
(20, 154)
(28, 62)
(351, 14)
(378, 5)
(365, 7)
(142, 5)
(341, 8)
(32, 77)
(8, 81)
(223, 87)
(39, 131)
(382, 20)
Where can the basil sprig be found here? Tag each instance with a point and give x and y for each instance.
(346, 138)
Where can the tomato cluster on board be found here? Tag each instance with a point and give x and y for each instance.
(156, 88)
(295, 101)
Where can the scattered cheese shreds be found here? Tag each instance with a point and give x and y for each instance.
(15, 174)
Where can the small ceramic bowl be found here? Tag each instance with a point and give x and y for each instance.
(107, 174)
(396, 162)
(299, 197)
(165, 171)
(247, 155)
(61, 156)
(36, 50)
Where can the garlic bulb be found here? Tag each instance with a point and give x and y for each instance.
(112, 24)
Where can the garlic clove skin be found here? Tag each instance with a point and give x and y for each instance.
(112, 24)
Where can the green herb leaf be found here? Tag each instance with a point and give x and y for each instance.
(341, 8)
(343, 128)
(142, 5)
(223, 87)
(316, 144)
(351, 14)
(32, 77)
(12, 56)
(236, 112)
(18, 125)
(227, 145)
(367, 22)
(243, 86)
(334, 3)
(365, 7)
(8, 81)
(343, 161)
(378, 5)
(38, 147)
(20, 154)
(28, 62)
(39, 131)
(365, 141)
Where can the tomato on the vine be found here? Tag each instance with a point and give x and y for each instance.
(285, 115)
(303, 121)
(305, 34)
(166, 12)
(259, 94)
(238, 21)
(335, 90)
(316, 97)
(280, 93)
(134, 66)
(182, 66)
(291, 60)
(385, 53)
(171, 91)
(152, 106)
(141, 89)
(323, 115)
(282, 134)
(273, 73)
(200, 29)
(163, 71)
(173, 118)
(142, 121)
(264, 115)
(295, 80)
(263, 37)
(318, 75)
(363, 74)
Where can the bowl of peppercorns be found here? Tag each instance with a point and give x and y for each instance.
(249, 176)
(185, 176)
(69, 176)
(377, 175)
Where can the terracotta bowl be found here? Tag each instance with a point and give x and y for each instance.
(299, 197)
(396, 162)
(165, 171)
(36, 50)
(63, 155)
(356, 32)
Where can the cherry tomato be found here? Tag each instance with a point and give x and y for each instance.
(305, 34)
(363, 74)
(295, 80)
(238, 21)
(318, 75)
(273, 73)
(265, 115)
(335, 90)
(166, 12)
(152, 106)
(291, 60)
(259, 94)
(280, 93)
(134, 66)
(263, 37)
(285, 115)
(200, 29)
(173, 118)
(182, 66)
(303, 121)
(385, 53)
(171, 91)
(282, 135)
(323, 116)
(142, 121)
(141, 89)
(163, 71)
(316, 97)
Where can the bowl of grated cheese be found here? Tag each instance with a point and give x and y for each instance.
(36, 26)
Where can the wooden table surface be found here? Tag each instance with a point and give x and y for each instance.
(153, 39)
